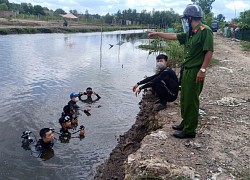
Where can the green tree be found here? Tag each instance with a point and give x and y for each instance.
(220, 17)
(244, 20)
(118, 16)
(206, 5)
(108, 18)
(38, 10)
(5, 1)
(27, 8)
(208, 18)
(245, 17)
(59, 11)
(145, 17)
(74, 12)
(15, 7)
(3, 7)
(86, 15)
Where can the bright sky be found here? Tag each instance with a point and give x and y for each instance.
(229, 8)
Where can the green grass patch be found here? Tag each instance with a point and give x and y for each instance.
(214, 62)
(181, 178)
(149, 176)
(245, 45)
(5, 31)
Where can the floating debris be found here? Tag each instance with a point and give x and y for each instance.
(202, 112)
(230, 102)
(159, 134)
(224, 68)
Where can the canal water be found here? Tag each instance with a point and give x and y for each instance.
(37, 74)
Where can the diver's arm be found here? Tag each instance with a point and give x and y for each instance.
(80, 96)
(97, 95)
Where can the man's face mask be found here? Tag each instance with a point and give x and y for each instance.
(185, 24)
(159, 66)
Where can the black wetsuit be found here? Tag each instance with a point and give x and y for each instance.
(164, 83)
(73, 106)
(41, 146)
(64, 136)
(89, 98)
(65, 133)
(68, 112)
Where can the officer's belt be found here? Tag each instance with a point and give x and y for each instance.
(194, 67)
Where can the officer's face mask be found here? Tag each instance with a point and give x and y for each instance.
(185, 25)
(76, 99)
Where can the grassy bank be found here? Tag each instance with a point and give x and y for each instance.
(34, 30)
(245, 45)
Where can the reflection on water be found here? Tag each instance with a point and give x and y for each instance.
(37, 74)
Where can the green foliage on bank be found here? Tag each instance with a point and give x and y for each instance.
(245, 45)
(173, 49)
(149, 176)
(214, 62)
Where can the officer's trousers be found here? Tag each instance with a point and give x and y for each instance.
(190, 92)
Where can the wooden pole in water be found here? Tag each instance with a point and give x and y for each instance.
(101, 50)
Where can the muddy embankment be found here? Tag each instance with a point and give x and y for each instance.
(130, 142)
(221, 149)
(21, 26)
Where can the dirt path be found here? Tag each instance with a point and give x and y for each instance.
(221, 149)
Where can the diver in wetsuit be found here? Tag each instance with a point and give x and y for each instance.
(72, 103)
(73, 107)
(46, 141)
(65, 135)
(164, 83)
(89, 92)
(41, 148)
(73, 116)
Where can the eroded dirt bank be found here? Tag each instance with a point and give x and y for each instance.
(221, 149)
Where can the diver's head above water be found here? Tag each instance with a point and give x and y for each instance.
(89, 91)
(65, 122)
(47, 135)
(74, 96)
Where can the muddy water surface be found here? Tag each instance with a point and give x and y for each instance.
(38, 72)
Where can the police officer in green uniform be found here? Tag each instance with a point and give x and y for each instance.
(198, 48)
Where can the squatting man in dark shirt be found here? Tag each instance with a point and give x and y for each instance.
(164, 83)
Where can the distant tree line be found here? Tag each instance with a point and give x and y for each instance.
(159, 18)
(153, 18)
(244, 20)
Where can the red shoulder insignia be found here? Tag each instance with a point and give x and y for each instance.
(202, 28)
(195, 30)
